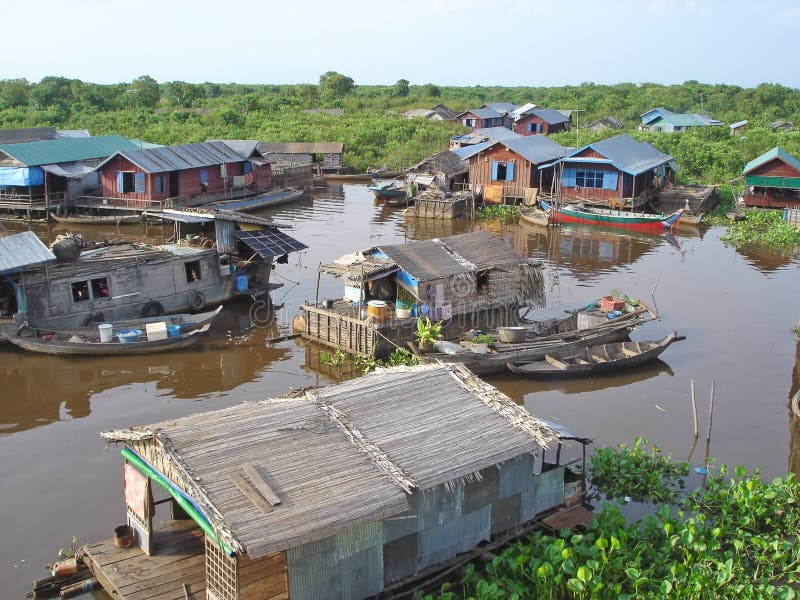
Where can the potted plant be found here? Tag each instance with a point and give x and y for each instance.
(481, 343)
(427, 333)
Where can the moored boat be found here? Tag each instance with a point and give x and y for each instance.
(579, 213)
(80, 219)
(535, 216)
(392, 190)
(273, 198)
(593, 359)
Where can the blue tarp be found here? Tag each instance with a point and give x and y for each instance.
(21, 176)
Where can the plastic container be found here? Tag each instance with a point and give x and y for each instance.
(512, 335)
(106, 332)
(129, 335)
(241, 283)
(156, 331)
(173, 330)
(609, 303)
(377, 310)
(402, 313)
(614, 314)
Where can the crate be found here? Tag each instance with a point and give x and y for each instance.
(609, 303)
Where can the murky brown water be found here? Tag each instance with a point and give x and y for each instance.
(735, 308)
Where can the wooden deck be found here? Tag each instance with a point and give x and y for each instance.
(129, 574)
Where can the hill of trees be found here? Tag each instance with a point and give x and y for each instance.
(372, 128)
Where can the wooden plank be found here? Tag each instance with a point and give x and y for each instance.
(250, 492)
(629, 352)
(551, 360)
(598, 359)
(261, 485)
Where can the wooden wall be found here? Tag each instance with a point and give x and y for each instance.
(775, 168)
(521, 126)
(480, 170)
(263, 578)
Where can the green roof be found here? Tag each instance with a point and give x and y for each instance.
(776, 152)
(48, 152)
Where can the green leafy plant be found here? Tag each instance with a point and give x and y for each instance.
(427, 333)
(483, 338)
(796, 330)
(402, 357)
(764, 228)
(68, 552)
(338, 358)
(497, 212)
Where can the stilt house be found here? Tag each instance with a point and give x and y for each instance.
(342, 492)
(773, 180)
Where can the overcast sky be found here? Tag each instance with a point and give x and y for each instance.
(446, 42)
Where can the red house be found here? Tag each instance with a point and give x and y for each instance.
(541, 120)
(481, 118)
(773, 180)
(214, 170)
(617, 171)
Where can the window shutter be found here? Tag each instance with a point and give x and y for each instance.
(510, 172)
(203, 176)
(120, 182)
(609, 180)
(248, 168)
(494, 170)
(139, 183)
(568, 179)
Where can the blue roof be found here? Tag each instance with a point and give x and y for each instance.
(626, 154)
(538, 149)
(465, 152)
(776, 152)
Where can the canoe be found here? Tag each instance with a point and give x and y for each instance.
(690, 220)
(274, 198)
(77, 219)
(535, 216)
(87, 342)
(593, 360)
(361, 177)
(579, 213)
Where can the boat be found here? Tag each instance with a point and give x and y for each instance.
(580, 213)
(535, 216)
(594, 359)
(79, 219)
(570, 334)
(392, 190)
(688, 220)
(128, 339)
(273, 198)
(796, 404)
(362, 177)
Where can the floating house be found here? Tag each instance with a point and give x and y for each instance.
(773, 180)
(738, 127)
(478, 136)
(540, 120)
(445, 169)
(468, 280)
(120, 281)
(507, 171)
(43, 175)
(343, 492)
(481, 118)
(662, 120)
(605, 123)
(328, 156)
(181, 175)
(618, 171)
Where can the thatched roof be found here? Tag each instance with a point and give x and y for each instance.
(340, 456)
(447, 163)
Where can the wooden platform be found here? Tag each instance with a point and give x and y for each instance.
(569, 518)
(129, 574)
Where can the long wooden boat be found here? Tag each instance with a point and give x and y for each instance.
(578, 213)
(388, 191)
(362, 177)
(535, 216)
(78, 219)
(186, 321)
(593, 360)
(563, 335)
(690, 220)
(90, 344)
(274, 198)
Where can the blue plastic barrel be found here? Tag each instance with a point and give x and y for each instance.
(241, 283)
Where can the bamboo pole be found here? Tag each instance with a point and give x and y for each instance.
(694, 411)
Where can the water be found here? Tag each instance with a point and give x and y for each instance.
(735, 308)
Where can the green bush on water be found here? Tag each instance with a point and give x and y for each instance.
(497, 212)
(765, 228)
(734, 538)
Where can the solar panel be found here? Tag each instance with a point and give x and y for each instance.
(269, 243)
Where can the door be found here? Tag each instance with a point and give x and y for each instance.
(174, 184)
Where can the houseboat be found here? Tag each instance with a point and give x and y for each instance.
(472, 280)
(348, 491)
(113, 282)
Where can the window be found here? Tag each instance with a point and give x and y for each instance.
(192, 271)
(204, 179)
(469, 122)
(534, 127)
(589, 178)
(100, 288)
(80, 291)
(126, 182)
(161, 184)
(502, 171)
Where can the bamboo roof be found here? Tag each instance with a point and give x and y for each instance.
(340, 456)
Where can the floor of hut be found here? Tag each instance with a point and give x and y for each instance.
(130, 574)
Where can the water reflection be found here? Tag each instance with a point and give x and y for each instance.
(794, 419)
(38, 390)
(766, 261)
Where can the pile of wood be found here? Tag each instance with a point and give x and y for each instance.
(61, 584)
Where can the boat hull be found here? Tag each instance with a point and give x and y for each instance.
(611, 218)
(259, 202)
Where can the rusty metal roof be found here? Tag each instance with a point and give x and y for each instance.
(22, 250)
(178, 158)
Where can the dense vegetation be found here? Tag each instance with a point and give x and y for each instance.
(372, 128)
(732, 538)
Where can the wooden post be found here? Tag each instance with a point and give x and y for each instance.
(316, 295)
(710, 413)
(694, 411)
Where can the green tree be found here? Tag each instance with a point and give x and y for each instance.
(143, 91)
(335, 86)
(14, 92)
(400, 88)
(181, 93)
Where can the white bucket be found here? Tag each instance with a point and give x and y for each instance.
(106, 332)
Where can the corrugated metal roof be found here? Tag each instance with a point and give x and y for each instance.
(73, 133)
(497, 133)
(501, 107)
(538, 149)
(244, 147)
(738, 124)
(483, 113)
(177, 158)
(483, 249)
(301, 147)
(447, 162)
(48, 152)
(548, 115)
(31, 134)
(21, 250)
(466, 152)
(626, 154)
(776, 152)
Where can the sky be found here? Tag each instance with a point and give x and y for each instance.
(445, 42)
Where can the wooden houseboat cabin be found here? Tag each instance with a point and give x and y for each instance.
(343, 492)
(184, 174)
(42, 175)
(327, 156)
(468, 280)
(616, 171)
(124, 280)
(773, 180)
(507, 171)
